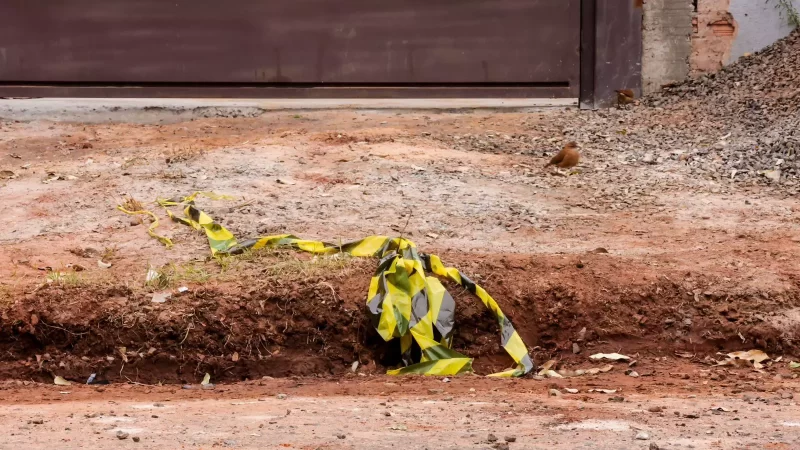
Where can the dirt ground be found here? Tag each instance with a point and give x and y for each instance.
(639, 256)
(666, 411)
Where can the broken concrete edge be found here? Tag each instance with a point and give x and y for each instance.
(157, 110)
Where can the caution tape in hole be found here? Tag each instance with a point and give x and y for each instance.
(403, 302)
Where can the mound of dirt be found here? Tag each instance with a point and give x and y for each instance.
(758, 97)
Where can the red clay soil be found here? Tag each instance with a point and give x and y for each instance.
(693, 263)
(281, 326)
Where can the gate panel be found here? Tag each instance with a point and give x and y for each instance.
(291, 42)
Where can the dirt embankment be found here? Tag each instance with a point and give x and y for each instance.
(312, 322)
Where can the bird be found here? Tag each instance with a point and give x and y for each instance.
(625, 96)
(567, 158)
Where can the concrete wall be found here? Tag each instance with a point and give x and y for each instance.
(666, 32)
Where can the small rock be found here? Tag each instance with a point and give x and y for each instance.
(37, 421)
(576, 348)
(655, 409)
(281, 396)
(617, 399)
(772, 175)
(642, 436)
(501, 446)
(786, 395)
(161, 297)
(121, 435)
(555, 393)
(654, 446)
(632, 373)
(435, 391)
(136, 439)
(341, 436)
(649, 158)
(511, 439)
(207, 387)
(491, 438)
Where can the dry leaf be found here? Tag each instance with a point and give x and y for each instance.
(206, 380)
(552, 374)
(235, 357)
(610, 356)
(59, 381)
(546, 366)
(750, 355)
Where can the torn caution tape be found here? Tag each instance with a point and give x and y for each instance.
(403, 302)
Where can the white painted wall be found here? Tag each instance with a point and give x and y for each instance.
(760, 24)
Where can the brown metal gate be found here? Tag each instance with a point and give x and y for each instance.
(528, 47)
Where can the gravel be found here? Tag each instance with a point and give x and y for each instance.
(757, 100)
(733, 129)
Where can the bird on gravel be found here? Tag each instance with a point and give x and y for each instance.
(567, 158)
(625, 96)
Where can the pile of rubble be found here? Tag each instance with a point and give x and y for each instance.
(757, 101)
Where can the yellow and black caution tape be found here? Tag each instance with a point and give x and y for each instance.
(403, 302)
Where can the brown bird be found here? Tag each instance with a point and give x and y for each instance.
(625, 96)
(567, 158)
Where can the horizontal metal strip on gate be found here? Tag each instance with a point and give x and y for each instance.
(321, 84)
